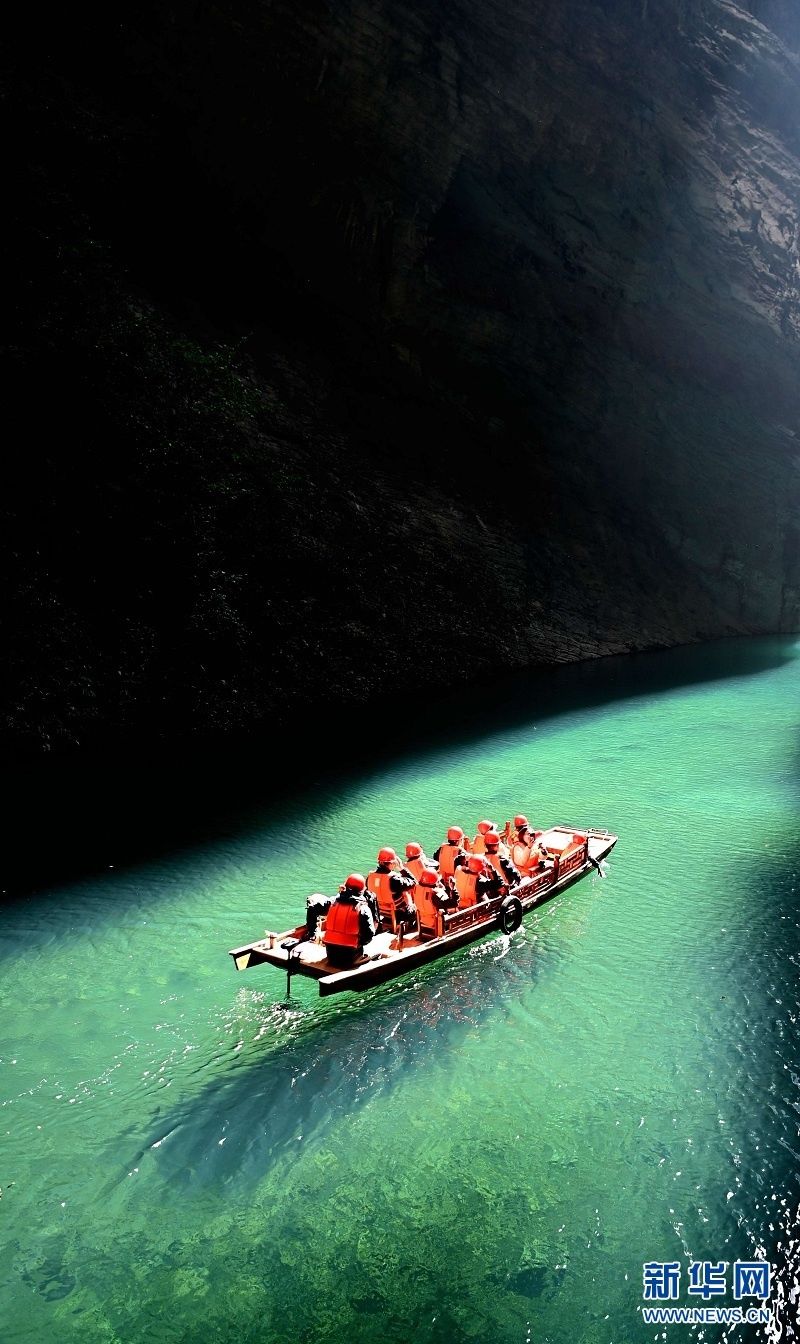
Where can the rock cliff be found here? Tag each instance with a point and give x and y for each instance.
(365, 348)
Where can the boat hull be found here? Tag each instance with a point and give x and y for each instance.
(385, 960)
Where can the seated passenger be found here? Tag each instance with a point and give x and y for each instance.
(349, 923)
(479, 843)
(416, 859)
(432, 898)
(393, 887)
(451, 854)
(475, 882)
(503, 867)
(525, 851)
(512, 830)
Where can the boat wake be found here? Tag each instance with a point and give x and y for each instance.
(326, 1061)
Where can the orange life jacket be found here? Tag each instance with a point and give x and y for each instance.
(415, 866)
(342, 925)
(467, 887)
(479, 844)
(380, 885)
(526, 856)
(427, 909)
(494, 860)
(389, 901)
(447, 857)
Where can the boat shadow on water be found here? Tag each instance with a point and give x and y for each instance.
(324, 1062)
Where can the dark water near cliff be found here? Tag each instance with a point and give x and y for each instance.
(488, 1152)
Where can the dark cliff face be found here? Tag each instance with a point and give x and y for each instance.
(368, 347)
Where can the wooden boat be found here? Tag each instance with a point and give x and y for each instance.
(570, 855)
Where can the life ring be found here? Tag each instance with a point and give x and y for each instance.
(509, 916)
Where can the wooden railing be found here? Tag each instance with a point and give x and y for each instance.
(473, 914)
(538, 883)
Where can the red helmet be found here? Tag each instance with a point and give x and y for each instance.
(455, 834)
(413, 850)
(520, 821)
(484, 826)
(428, 877)
(386, 855)
(474, 864)
(355, 882)
(492, 838)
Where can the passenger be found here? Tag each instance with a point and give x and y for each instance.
(525, 851)
(503, 867)
(349, 923)
(432, 898)
(475, 882)
(479, 843)
(416, 859)
(451, 854)
(513, 829)
(393, 886)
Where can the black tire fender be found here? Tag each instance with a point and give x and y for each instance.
(509, 916)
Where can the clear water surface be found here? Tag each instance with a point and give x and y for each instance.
(488, 1151)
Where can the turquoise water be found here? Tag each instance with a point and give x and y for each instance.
(488, 1151)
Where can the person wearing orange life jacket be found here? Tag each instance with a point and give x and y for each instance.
(349, 923)
(475, 882)
(432, 897)
(525, 851)
(393, 887)
(416, 859)
(479, 843)
(451, 854)
(505, 870)
(512, 829)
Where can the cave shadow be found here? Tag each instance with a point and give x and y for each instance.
(76, 815)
